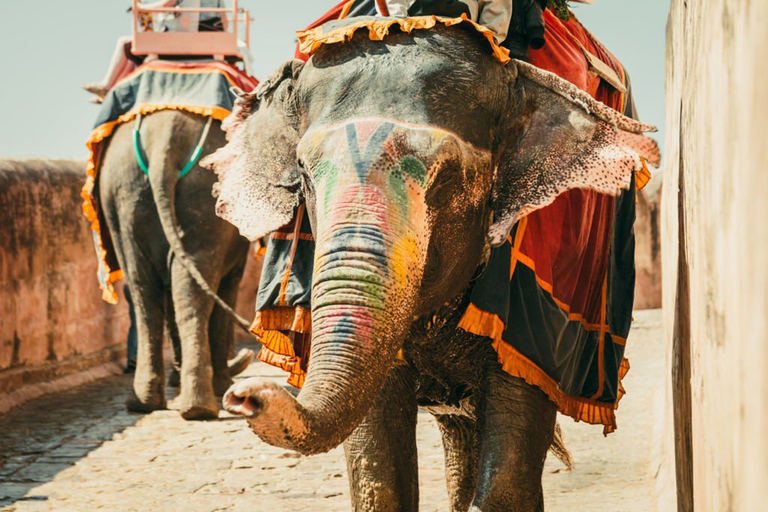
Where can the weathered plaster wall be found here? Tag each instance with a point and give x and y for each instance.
(715, 227)
(52, 318)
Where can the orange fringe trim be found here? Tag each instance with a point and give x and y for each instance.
(276, 347)
(643, 176)
(580, 409)
(295, 319)
(311, 40)
(89, 206)
(482, 323)
(277, 350)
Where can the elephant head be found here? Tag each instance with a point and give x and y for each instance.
(412, 157)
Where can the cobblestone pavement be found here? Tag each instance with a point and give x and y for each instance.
(82, 451)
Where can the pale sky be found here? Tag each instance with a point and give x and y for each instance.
(50, 47)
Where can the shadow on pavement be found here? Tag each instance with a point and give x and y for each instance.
(48, 435)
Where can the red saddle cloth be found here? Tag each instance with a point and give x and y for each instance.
(572, 264)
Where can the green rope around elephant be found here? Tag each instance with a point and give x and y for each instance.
(196, 154)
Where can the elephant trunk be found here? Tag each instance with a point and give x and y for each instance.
(372, 233)
(368, 269)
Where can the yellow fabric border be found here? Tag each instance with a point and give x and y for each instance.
(292, 366)
(277, 350)
(643, 176)
(346, 9)
(276, 347)
(98, 135)
(313, 39)
(482, 323)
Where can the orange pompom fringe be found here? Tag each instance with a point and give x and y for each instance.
(276, 347)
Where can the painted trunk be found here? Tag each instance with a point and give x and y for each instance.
(372, 234)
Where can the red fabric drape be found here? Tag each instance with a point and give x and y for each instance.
(568, 242)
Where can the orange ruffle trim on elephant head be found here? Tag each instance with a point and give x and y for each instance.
(313, 39)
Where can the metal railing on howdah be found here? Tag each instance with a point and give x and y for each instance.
(224, 42)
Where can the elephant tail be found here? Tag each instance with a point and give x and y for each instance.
(559, 449)
(163, 185)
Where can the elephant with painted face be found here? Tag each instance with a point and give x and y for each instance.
(413, 156)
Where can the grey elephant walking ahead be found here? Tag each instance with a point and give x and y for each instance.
(136, 209)
(405, 194)
(151, 208)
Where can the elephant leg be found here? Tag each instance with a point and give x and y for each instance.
(172, 335)
(460, 445)
(516, 427)
(221, 333)
(381, 451)
(193, 310)
(148, 381)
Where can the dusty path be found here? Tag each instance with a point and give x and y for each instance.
(81, 451)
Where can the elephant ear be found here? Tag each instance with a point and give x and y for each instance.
(561, 138)
(258, 177)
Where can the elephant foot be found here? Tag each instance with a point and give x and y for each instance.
(239, 363)
(135, 404)
(147, 393)
(174, 378)
(200, 411)
(197, 401)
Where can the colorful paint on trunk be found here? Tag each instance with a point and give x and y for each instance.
(371, 178)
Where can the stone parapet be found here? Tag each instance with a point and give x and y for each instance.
(52, 319)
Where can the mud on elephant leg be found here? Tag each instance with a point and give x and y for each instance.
(516, 427)
(193, 310)
(221, 333)
(381, 451)
(460, 445)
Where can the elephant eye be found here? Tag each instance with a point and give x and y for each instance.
(444, 187)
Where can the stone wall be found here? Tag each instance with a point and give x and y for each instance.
(52, 319)
(715, 245)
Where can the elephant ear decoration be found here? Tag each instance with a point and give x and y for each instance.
(561, 138)
(259, 180)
